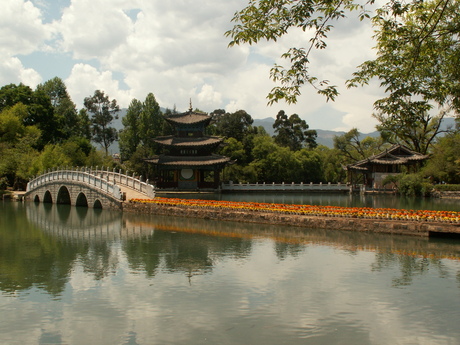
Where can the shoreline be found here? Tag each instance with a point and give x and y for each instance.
(395, 227)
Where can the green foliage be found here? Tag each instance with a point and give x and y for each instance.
(352, 148)
(293, 132)
(64, 109)
(232, 125)
(447, 187)
(444, 162)
(271, 19)
(413, 185)
(142, 123)
(331, 164)
(103, 111)
(129, 136)
(417, 64)
(39, 112)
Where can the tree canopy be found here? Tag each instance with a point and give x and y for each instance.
(103, 111)
(293, 132)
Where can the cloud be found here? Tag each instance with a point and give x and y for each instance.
(13, 72)
(85, 79)
(21, 28)
(177, 51)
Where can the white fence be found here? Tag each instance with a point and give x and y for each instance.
(128, 181)
(294, 187)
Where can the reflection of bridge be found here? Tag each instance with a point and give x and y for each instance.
(87, 187)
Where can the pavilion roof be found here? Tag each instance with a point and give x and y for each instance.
(188, 118)
(395, 155)
(188, 161)
(172, 140)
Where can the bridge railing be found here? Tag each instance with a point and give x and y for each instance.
(333, 187)
(132, 182)
(76, 175)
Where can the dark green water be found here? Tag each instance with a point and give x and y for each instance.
(80, 276)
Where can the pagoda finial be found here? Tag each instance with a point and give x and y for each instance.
(191, 108)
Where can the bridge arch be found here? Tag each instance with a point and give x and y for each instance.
(47, 197)
(36, 198)
(97, 204)
(81, 200)
(63, 196)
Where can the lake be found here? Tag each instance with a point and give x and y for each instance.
(71, 275)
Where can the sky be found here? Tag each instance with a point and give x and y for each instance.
(177, 50)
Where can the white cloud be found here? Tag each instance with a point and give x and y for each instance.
(85, 79)
(12, 71)
(92, 29)
(177, 51)
(21, 28)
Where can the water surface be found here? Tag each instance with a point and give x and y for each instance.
(73, 275)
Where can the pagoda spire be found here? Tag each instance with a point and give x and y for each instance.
(191, 108)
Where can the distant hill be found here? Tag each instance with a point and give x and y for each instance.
(325, 137)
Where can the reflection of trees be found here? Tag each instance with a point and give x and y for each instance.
(284, 250)
(182, 245)
(30, 258)
(99, 259)
(409, 266)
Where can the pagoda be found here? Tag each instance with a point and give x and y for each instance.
(188, 162)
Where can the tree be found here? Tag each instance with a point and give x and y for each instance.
(419, 38)
(417, 64)
(17, 143)
(83, 128)
(232, 125)
(293, 132)
(142, 123)
(103, 112)
(444, 163)
(271, 19)
(64, 108)
(353, 147)
(129, 135)
(150, 123)
(40, 112)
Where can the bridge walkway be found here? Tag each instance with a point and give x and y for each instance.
(131, 193)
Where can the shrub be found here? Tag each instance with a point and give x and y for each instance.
(447, 187)
(414, 185)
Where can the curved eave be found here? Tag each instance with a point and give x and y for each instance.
(172, 141)
(186, 119)
(191, 162)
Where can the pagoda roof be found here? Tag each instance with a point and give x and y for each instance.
(188, 161)
(188, 118)
(395, 155)
(171, 140)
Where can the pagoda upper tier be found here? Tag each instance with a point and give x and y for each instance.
(189, 123)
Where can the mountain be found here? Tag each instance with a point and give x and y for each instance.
(325, 137)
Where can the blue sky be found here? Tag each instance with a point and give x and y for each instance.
(177, 51)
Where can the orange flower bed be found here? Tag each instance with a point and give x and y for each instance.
(309, 210)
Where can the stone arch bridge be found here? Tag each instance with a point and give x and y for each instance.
(87, 187)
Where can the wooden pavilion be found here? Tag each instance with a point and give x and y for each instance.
(188, 162)
(373, 170)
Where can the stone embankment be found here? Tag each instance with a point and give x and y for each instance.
(447, 194)
(401, 227)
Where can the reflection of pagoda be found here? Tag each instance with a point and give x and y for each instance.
(188, 162)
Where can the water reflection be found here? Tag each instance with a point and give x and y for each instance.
(69, 275)
(62, 235)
